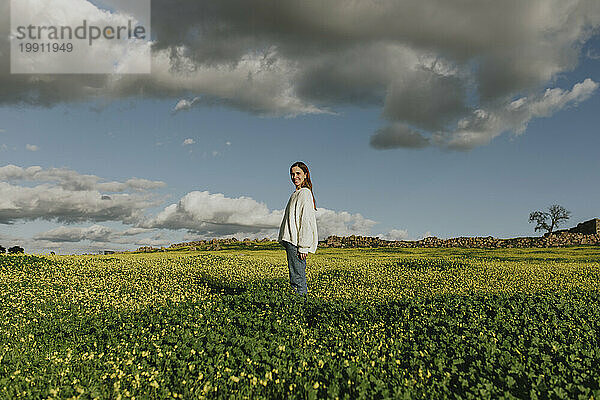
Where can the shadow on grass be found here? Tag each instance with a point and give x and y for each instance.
(221, 288)
(266, 286)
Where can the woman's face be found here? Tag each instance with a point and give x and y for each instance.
(298, 176)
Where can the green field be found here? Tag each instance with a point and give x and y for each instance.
(378, 323)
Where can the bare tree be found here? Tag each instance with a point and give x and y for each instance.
(556, 214)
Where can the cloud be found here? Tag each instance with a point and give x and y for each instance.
(163, 242)
(398, 135)
(593, 54)
(425, 99)
(67, 196)
(101, 56)
(342, 223)
(49, 203)
(551, 101)
(72, 180)
(94, 233)
(2, 130)
(188, 141)
(91, 239)
(215, 214)
(184, 104)
(138, 184)
(205, 214)
(31, 147)
(394, 234)
(133, 231)
(482, 125)
(428, 234)
(349, 75)
(427, 64)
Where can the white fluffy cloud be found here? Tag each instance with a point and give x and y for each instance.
(205, 214)
(432, 66)
(118, 56)
(72, 180)
(67, 196)
(342, 223)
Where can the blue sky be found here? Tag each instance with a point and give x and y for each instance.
(240, 150)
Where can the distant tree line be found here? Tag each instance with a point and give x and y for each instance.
(12, 250)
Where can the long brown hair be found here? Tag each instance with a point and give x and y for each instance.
(307, 183)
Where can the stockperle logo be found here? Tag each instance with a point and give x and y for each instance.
(80, 36)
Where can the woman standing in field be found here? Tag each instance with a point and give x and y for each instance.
(298, 230)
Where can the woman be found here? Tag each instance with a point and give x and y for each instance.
(298, 231)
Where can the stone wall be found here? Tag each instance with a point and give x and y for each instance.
(206, 242)
(209, 244)
(554, 240)
(585, 233)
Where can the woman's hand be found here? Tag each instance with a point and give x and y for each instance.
(302, 256)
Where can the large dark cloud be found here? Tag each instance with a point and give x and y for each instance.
(428, 64)
(398, 135)
(425, 99)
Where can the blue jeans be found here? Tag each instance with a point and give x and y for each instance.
(297, 268)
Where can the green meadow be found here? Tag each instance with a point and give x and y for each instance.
(377, 323)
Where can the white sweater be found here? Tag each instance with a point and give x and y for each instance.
(299, 224)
